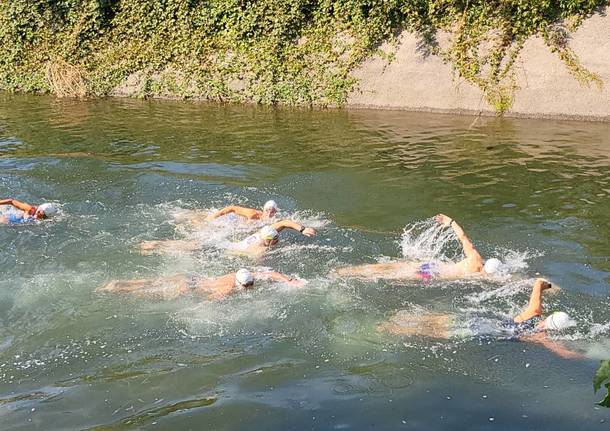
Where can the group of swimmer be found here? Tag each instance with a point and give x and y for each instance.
(254, 245)
(527, 325)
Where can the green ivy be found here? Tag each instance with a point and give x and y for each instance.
(603, 375)
(295, 52)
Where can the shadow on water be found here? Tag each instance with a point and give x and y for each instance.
(148, 416)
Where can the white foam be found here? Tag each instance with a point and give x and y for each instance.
(599, 329)
(599, 350)
(506, 290)
(427, 240)
(223, 232)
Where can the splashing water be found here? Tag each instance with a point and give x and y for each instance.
(504, 291)
(223, 232)
(427, 240)
(600, 329)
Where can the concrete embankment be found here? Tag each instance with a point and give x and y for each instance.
(545, 87)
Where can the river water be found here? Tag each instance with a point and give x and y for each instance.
(533, 193)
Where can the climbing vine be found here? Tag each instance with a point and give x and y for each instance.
(602, 378)
(295, 52)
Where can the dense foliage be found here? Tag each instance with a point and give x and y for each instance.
(603, 376)
(270, 51)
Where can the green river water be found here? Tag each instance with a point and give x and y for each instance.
(533, 193)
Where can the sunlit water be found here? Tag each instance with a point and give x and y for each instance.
(533, 193)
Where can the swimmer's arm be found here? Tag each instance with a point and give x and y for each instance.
(281, 225)
(527, 314)
(552, 345)
(279, 277)
(241, 211)
(223, 211)
(469, 250)
(19, 205)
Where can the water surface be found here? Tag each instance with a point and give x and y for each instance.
(534, 193)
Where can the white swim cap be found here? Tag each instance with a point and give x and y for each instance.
(244, 277)
(492, 265)
(48, 210)
(269, 233)
(270, 205)
(558, 320)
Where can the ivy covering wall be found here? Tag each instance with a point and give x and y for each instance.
(295, 52)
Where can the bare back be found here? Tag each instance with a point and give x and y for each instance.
(215, 288)
(409, 270)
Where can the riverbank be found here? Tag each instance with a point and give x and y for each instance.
(544, 86)
(524, 58)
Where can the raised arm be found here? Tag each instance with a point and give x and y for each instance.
(281, 225)
(469, 250)
(19, 205)
(534, 306)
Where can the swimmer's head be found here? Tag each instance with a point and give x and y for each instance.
(558, 321)
(270, 208)
(492, 265)
(46, 211)
(244, 278)
(269, 235)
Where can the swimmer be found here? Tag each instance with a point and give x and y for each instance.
(526, 326)
(473, 264)
(29, 213)
(196, 217)
(211, 288)
(253, 245)
(256, 244)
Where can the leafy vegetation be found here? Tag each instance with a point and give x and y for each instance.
(603, 375)
(295, 52)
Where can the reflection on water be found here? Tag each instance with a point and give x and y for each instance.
(534, 193)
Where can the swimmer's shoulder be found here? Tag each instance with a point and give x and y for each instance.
(253, 214)
(248, 213)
